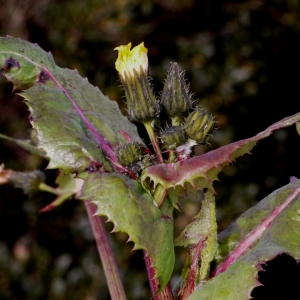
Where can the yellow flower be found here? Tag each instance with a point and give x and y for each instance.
(132, 66)
(130, 60)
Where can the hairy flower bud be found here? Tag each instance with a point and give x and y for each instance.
(129, 153)
(175, 96)
(131, 156)
(28, 181)
(173, 137)
(132, 66)
(140, 165)
(198, 126)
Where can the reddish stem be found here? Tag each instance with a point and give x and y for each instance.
(110, 268)
(191, 281)
(153, 140)
(166, 293)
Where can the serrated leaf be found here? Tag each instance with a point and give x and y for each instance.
(201, 171)
(200, 227)
(270, 228)
(76, 124)
(201, 233)
(132, 210)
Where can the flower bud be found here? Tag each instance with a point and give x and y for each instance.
(140, 165)
(198, 126)
(175, 96)
(131, 156)
(129, 153)
(173, 137)
(28, 181)
(132, 66)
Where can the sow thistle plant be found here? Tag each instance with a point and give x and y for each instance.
(137, 185)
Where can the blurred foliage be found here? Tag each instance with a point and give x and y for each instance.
(240, 58)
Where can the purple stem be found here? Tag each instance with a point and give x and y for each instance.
(254, 235)
(190, 284)
(166, 293)
(111, 271)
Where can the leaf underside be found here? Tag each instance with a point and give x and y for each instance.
(73, 119)
(280, 236)
(131, 209)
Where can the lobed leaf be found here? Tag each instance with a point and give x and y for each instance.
(270, 228)
(201, 171)
(132, 210)
(76, 124)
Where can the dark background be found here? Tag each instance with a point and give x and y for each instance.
(242, 61)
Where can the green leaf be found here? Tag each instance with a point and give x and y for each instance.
(68, 185)
(270, 228)
(201, 233)
(200, 171)
(203, 229)
(76, 124)
(200, 227)
(133, 211)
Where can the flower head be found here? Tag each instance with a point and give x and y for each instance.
(132, 66)
(130, 60)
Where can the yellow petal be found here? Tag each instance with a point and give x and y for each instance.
(128, 60)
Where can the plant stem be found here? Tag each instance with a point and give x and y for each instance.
(46, 188)
(192, 268)
(166, 293)
(160, 195)
(153, 140)
(111, 271)
(58, 201)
